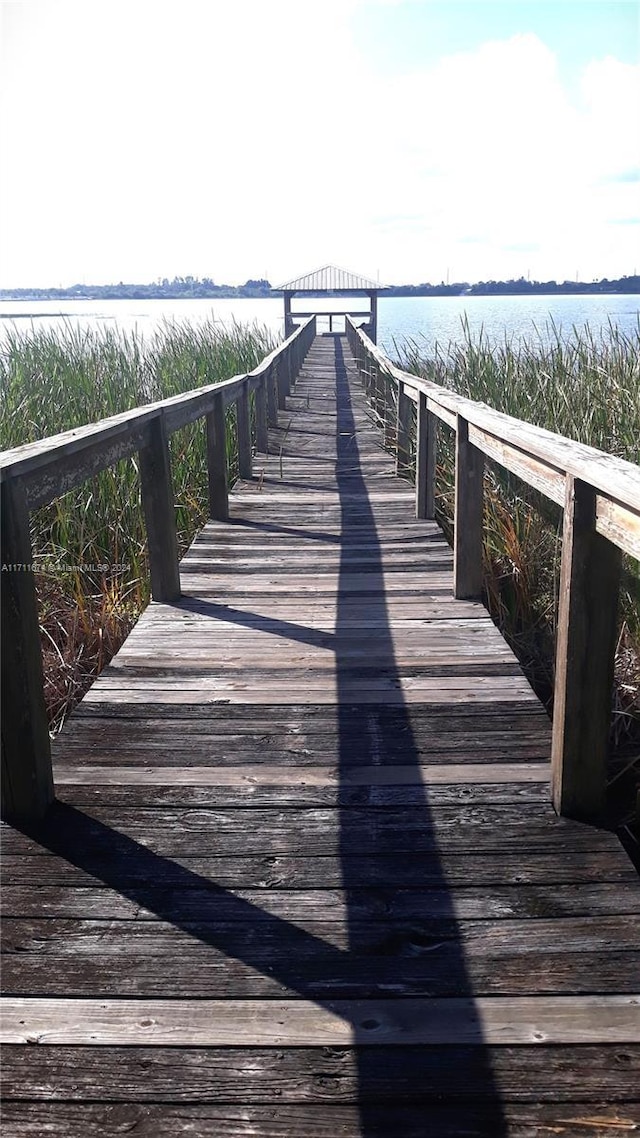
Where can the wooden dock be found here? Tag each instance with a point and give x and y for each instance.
(303, 878)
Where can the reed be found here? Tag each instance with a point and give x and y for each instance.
(582, 384)
(90, 545)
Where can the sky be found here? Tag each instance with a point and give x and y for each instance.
(407, 140)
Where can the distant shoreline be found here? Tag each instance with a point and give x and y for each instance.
(189, 288)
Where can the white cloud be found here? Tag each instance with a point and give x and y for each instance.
(230, 140)
(502, 172)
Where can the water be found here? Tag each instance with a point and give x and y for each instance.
(425, 319)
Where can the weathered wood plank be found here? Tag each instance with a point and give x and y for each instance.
(274, 944)
(422, 870)
(474, 1120)
(201, 901)
(364, 872)
(219, 976)
(290, 1023)
(540, 1074)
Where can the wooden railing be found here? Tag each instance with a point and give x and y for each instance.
(35, 474)
(330, 313)
(600, 496)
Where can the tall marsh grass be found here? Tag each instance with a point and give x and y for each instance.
(90, 545)
(584, 385)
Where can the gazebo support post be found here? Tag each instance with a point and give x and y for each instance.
(289, 325)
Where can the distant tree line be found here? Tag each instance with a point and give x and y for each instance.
(180, 288)
(518, 287)
(192, 288)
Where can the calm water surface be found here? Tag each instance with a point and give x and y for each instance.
(426, 320)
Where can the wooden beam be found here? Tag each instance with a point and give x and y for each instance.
(217, 462)
(160, 514)
(27, 781)
(467, 548)
(425, 460)
(585, 649)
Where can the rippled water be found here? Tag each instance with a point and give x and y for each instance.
(425, 319)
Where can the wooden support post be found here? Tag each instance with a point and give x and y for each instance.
(159, 513)
(288, 322)
(280, 365)
(27, 781)
(425, 460)
(362, 367)
(262, 431)
(585, 649)
(389, 408)
(467, 549)
(243, 421)
(272, 395)
(217, 461)
(403, 431)
(289, 369)
(373, 319)
(373, 377)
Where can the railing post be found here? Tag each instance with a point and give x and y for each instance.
(378, 394)
(272, 396)
(243, 424)
(389, 410)
(27, 781)
(159, 513)
(262, 430)
(425, 460)
(281, 382)
(289, 367)
(217, 461)
(467, 549)
(585, 650)
(403, 422)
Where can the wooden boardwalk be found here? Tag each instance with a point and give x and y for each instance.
(303, 879)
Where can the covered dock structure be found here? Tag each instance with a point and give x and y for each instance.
(332, 281)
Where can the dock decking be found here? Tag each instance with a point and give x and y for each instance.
(303, 879)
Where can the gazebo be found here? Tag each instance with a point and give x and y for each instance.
(330, 281)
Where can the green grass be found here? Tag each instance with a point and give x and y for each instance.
(51, 381)
(584, 385)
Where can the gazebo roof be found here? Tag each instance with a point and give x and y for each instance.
(331, 279)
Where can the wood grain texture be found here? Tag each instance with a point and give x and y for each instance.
(159, 513)
(217, 461)
(280, 1023)
(302, 876)
(585, 651)
(537, 1074)
(27, 781)
(571, 1119)
(468, 515)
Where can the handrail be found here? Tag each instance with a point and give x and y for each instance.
(34, 474)
(600, 496)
